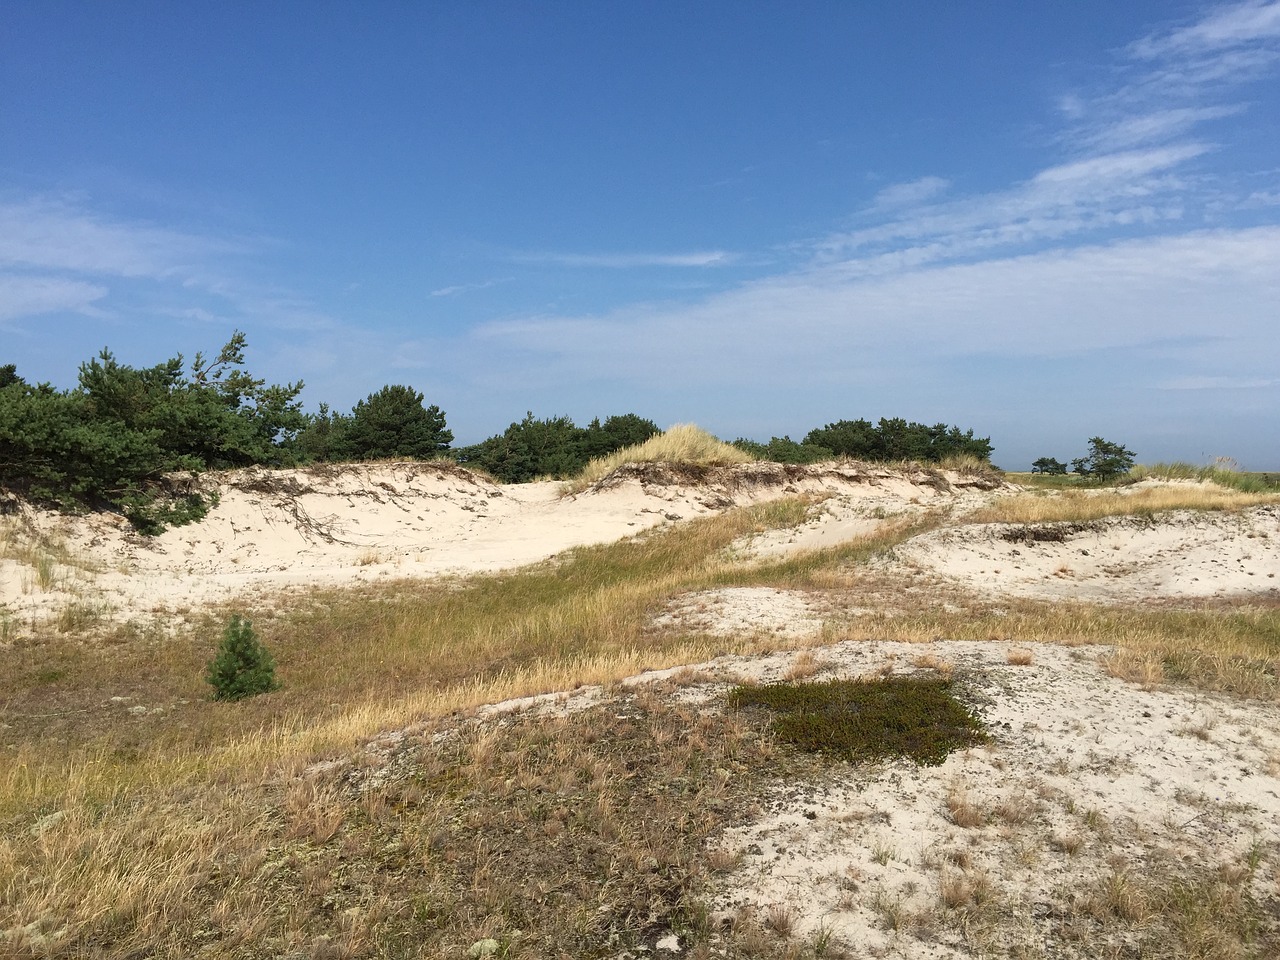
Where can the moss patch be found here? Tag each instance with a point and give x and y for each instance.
(916, 717)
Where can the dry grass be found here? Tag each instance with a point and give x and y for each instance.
(683, 443)
(1234, 650)
(1081, 506)
(185, 826)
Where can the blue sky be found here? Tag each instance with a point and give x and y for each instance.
(1043, 221)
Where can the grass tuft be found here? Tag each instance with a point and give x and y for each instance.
(684, 443)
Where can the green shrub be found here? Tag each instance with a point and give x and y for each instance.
(243, 667)
(914, 717)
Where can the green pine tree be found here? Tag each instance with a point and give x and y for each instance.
(243, 667)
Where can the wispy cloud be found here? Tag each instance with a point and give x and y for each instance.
(58, 255)
(619, 261)
(1132, 158)
(49, 234)
(909, 194)
(1240, 25)
(462, 288)
(1218, 383)
(26, 296)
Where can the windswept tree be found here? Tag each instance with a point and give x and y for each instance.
(109, 441)
(1105, 461)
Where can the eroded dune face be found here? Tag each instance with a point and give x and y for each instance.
(334, 525)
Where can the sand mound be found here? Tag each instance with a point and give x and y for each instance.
(1177, 555)
(273, 530)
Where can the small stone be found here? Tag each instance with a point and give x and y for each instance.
(483, 948)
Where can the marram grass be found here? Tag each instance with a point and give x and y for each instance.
(684, 443)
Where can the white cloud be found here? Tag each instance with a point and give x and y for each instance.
(1154, 127)
(700, 258)
(461, 288)
(27, 296)
(52, 235)
(826, 323)
(1238, 25)
(1218, 383)
(911, 193)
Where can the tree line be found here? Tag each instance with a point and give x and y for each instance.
(109, 441)
(888, 440)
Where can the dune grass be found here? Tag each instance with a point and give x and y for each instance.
(137, 817)
(1221, 471)
(683, 443)
(1081, 506)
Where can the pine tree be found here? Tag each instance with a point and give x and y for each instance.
(243, 667)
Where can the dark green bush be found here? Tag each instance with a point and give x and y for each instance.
(554, 447)
(857, 720)
(896, 439)
(243, 667)
(110, 441)
(784, 450)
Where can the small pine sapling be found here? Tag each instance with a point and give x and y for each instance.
(243, 667)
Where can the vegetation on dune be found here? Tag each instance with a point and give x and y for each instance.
(392, 424)
(1223, 471)
(914, 717)
(896, 439)
(684, 443)
(553, 447)
(1082, 506)
(110, 441)
(189, 825)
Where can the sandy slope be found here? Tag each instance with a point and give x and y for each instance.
(1090, 782)
(331, 526)
(1175, 556)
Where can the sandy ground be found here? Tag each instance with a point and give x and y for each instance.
(275, 530)
(1089, 782)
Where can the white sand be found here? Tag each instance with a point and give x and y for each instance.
(274, 530)
(1088, 777)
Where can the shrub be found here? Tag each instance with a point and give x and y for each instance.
(915, 717)
(243, 667)
(553, 447)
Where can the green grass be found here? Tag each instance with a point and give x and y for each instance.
(860, 720)
(1217, 473)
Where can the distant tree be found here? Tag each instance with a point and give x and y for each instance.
(9, 376)
(896, 439)
(1050, 466)
(1105, 461)
(601, 439)
(553, 447)
(784, 450)
(323, 437)
(393, 423)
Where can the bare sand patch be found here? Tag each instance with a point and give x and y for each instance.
(1178, 555)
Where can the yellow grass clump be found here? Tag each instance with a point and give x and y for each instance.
(682, 443)
(1078, 506)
